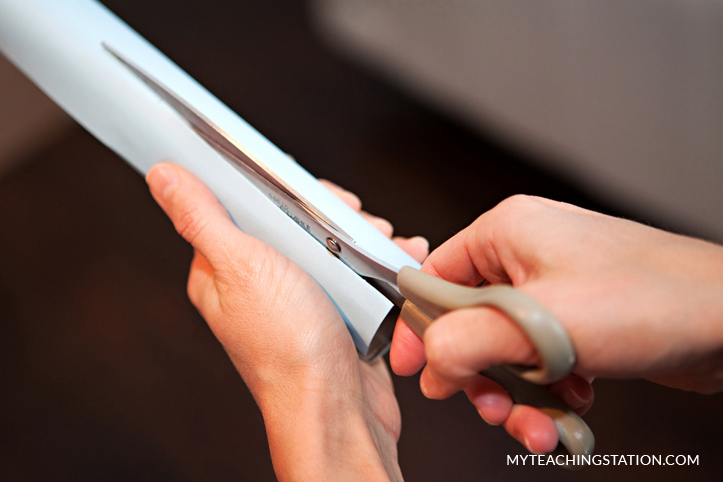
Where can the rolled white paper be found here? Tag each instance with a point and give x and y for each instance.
(57, 43)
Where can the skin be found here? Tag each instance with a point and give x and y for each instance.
(637, 302)
(305, 376)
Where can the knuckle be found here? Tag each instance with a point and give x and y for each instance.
(510, 216)
(193, 291)
(190, 223)
(518, 203)
(440, 350)
(244, 273)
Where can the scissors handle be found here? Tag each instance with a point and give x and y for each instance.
(429, 297)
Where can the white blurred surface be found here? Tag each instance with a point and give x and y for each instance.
(625, 96)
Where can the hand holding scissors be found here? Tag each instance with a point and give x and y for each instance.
(653, 298)
(421, 297)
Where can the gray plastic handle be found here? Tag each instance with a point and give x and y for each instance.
(429, 297)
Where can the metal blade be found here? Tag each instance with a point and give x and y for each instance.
(224, 143)
(283, 195)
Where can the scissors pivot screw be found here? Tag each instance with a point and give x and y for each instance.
(333, 245)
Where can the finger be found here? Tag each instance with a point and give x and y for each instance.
(406, 356)
(463, 342)
(492, 402)
(499, 246)
(194, 211)
(576, 392)
(353, 201)
(417, 247)
(533, 429)
(201, 286)
(380, 223)
(502, 245)
(407, 353)
(453, 262)
(349, 198)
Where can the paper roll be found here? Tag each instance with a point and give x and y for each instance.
(57, 44)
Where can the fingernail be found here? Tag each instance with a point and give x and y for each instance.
(526, 443)
(426, 388)
(383, 225)
(574, 400)
(352, 200)
(479, 411)
(423, 387)
(162, 180)
(422, 240)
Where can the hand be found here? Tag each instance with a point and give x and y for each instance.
(306, 376)
(636, 301)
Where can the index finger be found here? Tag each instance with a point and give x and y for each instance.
(469, 257)
(500, 246)
(453, 262)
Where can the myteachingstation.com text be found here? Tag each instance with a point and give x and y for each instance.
(603, 460)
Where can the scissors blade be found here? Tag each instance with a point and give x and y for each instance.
(283, 195)
(380, 274)
(224, 143)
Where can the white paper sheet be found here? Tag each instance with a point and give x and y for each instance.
(57, 43)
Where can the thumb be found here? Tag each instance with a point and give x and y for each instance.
(463, 342)
(194, 211)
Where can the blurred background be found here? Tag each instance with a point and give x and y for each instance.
(432, 112)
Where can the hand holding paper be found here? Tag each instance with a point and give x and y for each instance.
(59, 45)
(288, 342)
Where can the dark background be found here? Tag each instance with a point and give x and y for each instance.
(108, 373)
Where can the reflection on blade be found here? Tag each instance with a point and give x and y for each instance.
(229, 148)
(284, 196)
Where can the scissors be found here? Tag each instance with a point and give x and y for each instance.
(421, 297)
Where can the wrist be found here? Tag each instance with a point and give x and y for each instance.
(322, 429)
